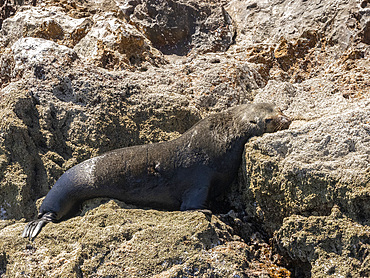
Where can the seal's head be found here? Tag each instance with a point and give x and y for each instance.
(276, 121)
(268, 117)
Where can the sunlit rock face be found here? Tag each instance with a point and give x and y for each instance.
(178, 27)
(81, 78)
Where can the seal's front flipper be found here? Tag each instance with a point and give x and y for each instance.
(33, 228)
(195, 199)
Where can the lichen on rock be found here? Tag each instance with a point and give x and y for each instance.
(332, 245)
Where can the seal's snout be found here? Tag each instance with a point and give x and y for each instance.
(277, 122)
(285, 121)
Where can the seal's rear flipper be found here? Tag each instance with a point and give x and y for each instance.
(34, 227)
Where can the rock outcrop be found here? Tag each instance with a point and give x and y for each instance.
(81, 78)
(117, 242)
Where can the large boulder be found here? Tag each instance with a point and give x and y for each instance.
(179, 27)
(326, 245)
(112, 241)
(310, 169)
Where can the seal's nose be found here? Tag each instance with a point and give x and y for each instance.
(285, 121)
(277, 122)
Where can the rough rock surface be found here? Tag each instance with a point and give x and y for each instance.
(323, 163)
(78, 78)
(115, 242)
(333, 244)
(178, 27)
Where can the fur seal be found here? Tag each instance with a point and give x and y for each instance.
(181, 174)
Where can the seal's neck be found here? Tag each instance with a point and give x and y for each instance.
(233, 131)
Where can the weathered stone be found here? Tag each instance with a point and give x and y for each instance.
(333, 245)
(310, 169)
(307, 37)
(7, 9)
(6, 67)
(114, 44)
(109, 240)
(290, 19)
(46, 23)
(31, 55)
(177, 27)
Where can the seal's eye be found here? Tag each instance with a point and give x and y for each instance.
(267, 121)
(253, 122)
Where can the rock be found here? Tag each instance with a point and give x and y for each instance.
(31, 55)
(332, 245)
(6, 67)
(309, 169)
(304, 39)
(20, 163)
(6, 10)
(114, 44)
(177, 27)
(308, 100)
(131, 243)
(289, 19)
(47, 23)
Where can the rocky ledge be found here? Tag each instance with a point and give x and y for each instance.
(79, 78)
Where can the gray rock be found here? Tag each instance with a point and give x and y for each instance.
(178, 27)
(332, 245)
(309, 169)
(109, 240)
(34, 53)
(48, 23)
(266, 22)
(114, 44)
